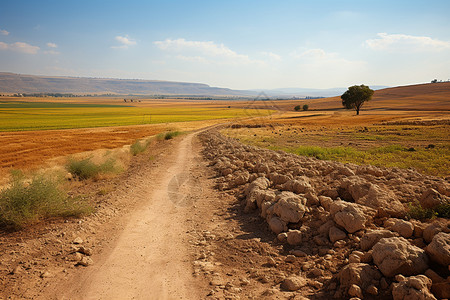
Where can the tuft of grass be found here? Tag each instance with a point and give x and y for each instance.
(168, 135)
(85, 168)
(139, 146)
(27, 201)
(171, 134)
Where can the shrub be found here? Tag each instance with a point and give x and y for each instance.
(28, 201)
(305, 107)
(297, 108)
(168, 135)
(416, 211)
(171, 134)
(85, 168)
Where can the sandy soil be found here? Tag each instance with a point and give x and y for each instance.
(150, 258)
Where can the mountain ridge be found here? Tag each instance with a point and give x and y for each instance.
(12, 83)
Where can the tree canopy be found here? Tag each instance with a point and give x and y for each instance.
(356, 96)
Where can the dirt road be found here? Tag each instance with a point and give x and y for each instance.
(150, 258)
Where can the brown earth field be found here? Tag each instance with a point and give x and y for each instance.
(29, 150)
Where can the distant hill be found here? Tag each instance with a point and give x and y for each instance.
(18, 83)
(428, 97)
(11, 83)
(305, 92)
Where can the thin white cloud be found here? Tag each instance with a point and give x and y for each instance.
(208, 51)
(52, 45)
(3, 32)
(272, 55)
(403, 42)
(19, 47)
(125, 42)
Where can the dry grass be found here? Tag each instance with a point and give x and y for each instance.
(26, 201)
(363, 140)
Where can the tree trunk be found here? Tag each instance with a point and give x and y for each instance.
(357, 111)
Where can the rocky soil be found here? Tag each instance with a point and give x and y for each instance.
(258, 224)
(338, 230)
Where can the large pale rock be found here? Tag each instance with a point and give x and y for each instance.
(290, 207)
(402, 227)
(294, 237)
(359, 274)
(431, 198)
(261, 183)
(439, 248)
(278, 178)
(276, 225)
(413, 288)
(262, 168)
(300, 185)
(293, 283)
(240, 179)
(396, 255)
(356, 187)
(371, 238)
(434, 228)
(384, 201)
(258, 196)
(351, 216)
(325, 202)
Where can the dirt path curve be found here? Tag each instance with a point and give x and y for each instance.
(150, 258)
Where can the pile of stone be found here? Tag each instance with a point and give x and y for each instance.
(350, 220)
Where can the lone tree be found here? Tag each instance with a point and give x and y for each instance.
(355, 97)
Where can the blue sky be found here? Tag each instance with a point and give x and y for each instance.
(235, 44)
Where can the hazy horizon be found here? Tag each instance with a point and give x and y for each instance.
(249, 45)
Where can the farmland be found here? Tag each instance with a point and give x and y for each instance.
(22, 116)
(35, 130)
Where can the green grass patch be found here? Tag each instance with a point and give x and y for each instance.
(86, 168)
(434, 161)
(25, 201)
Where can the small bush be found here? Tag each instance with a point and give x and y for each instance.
(416, 211)
(171, 135)
(297, 108)
(85, 168)
(305, 107)
(168, 135)
(443, 210)
(28, 201)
